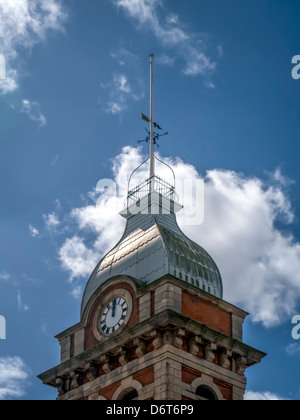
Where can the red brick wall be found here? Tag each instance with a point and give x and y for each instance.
(225, 388)
(152, 303)
(188, 374)
(109, 391)
(90, 339)
(145, 376)
(206, 313)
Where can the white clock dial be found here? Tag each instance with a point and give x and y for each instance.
(113, 316)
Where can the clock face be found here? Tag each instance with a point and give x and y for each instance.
(113, 315)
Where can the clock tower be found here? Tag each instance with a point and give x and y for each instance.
(153, 322)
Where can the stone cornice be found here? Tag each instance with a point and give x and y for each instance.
(159, 328)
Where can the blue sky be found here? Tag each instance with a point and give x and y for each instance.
(77, 80)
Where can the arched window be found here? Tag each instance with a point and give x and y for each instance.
(128, 394)
(129, 389)
(206, 393)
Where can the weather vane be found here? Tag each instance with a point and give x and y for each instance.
(156, 136)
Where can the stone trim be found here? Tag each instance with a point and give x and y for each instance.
(145, 306)
(209, 382)
(167, 363)
(177, 331)
(127, 384)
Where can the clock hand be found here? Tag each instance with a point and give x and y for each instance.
(114, 308)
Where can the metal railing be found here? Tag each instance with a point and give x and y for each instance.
(156, 184)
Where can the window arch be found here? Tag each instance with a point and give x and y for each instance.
(128, 394)
(205, 389)
(129, 389)
(206, 393)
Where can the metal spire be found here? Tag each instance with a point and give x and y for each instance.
(153, 136)
(152, 169)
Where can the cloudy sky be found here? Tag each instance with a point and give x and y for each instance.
(76, 82)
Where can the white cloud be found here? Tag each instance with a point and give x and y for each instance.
(13, 378)
(172, 18)
(210, 85)
(261, 396)
(190, 47)
(54, 161)
(120, 92)
(33, 110)
(4, 276)
(34, 231)
(114, 107)
(121, 83)
(77, 258)
(145, 12)
(100, 218)
(259, 263)
(9, 84)
(293, 349)
(124, 56)
(165, 60)
(21, 305)
(197, 60)
(76, 291)
(51, 221)
(24, 23)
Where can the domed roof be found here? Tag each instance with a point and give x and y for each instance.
(152, 246)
